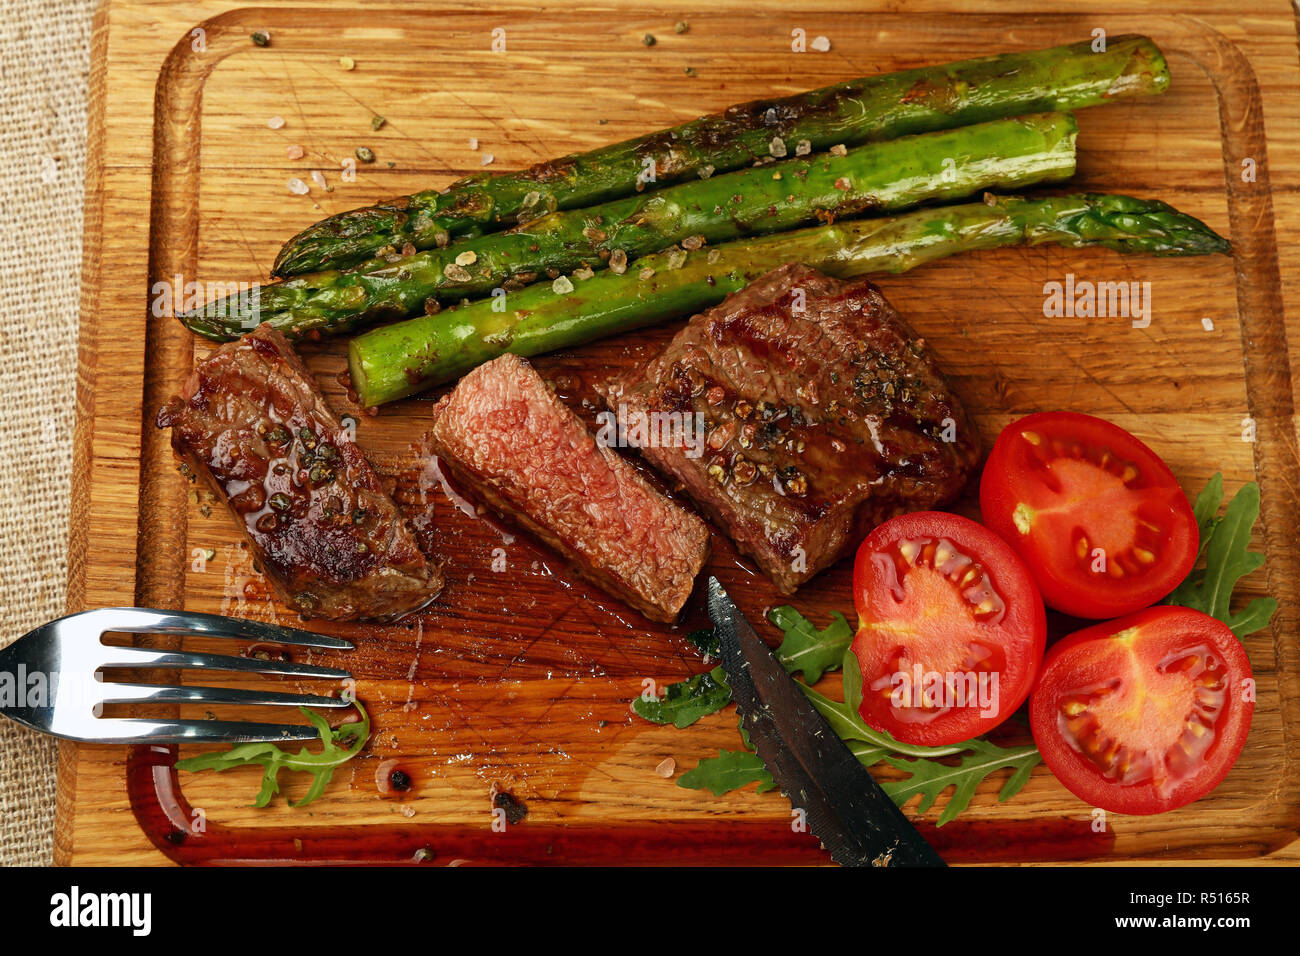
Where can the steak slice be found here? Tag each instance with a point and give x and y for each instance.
(328, 536)
(823, 412)
(508, 440)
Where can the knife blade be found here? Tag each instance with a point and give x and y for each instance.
(856, 821)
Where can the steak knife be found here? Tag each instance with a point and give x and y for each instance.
(856, 821)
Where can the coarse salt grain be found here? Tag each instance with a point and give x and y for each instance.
(562, 286)
(666, 767)
(347, 63)
(275, 122)
(473, 143)
(776, 147)
(618, 262)
(646, 273)
(487, 159)
(298, 187)
(319, 179)
(839, 149)
(803, 148)
(295, 151)
(467, 258)
(820, 44)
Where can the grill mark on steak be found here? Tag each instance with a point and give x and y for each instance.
(824, 416)
(253, 422)
(508, 440)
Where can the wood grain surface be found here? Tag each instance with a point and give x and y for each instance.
(521, 678)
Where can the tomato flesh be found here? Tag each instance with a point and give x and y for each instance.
(951, 628)
(1144, 714)
(1095, 513)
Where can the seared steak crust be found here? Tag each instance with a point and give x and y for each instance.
(254, 424)
(506, 438)
(824, 413)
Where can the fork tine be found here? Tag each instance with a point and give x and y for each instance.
(193, 660)
(139, 730)
(121, 693)
(143, 620)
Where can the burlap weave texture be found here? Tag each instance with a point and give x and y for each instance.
(44, 65)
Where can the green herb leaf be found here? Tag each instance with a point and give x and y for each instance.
(339, 745)
(733, 769)
(1225, 543)
(1206, 510)
(931, 778)
(852, 685)
(729, 770)
(1253, 617)
(687, 701)
(806, 649)
(705, 641)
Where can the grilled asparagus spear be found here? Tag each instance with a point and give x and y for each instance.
(889, 175)
(857, 111)
(398, 360)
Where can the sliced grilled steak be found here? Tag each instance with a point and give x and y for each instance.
(508, 440)
(824, 415)
(253, 422)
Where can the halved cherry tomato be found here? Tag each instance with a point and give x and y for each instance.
(950, 628)
(1144, 714)
(1097, 516)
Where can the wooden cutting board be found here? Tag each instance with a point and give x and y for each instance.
(518, 678)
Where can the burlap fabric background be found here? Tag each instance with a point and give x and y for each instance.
(44, 63)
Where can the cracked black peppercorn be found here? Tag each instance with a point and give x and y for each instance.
(514, 808)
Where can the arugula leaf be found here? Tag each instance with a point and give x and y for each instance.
(807, 649)
(687, 701)
(804, 649)
(1225, 542)
(733, 769)
(729, 770)
(705, 641)
(1206, 510)
(1253, 617)
(272, 759)
(931, 778)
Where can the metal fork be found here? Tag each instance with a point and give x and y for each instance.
(50, 678)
